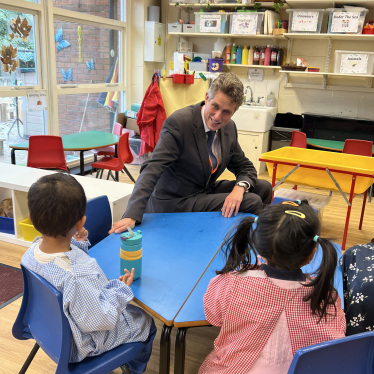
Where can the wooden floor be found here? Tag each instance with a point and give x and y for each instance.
(199, 340)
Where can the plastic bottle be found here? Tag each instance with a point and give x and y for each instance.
(227, 53)
(267, 55)
(270, 100)
(233, 54)
(256, 56)
(262, 55)
(245, 55)
(239, 52)
(273, 58)
(131, 253)
(251, 53)
(223, 22)
(280, 57)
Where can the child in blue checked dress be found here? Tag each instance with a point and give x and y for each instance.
(98, 310)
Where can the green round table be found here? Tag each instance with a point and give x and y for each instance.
(82, 141)
(328, 145)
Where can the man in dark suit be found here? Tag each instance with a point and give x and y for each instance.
(196, 145)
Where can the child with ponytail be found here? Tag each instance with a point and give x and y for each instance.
(267, 312)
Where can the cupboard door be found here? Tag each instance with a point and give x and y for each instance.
(250, 146)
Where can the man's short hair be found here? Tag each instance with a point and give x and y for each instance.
(230, 85)
(56, 203)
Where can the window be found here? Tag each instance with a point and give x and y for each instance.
(80, 68)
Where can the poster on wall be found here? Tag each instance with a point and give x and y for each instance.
(36, 101)
(244, 24)
(346, 22)
(305, 21)
(354, 63)
(210, 23)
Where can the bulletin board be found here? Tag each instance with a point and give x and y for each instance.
(178, 96)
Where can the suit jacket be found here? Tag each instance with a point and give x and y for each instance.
(179, 167)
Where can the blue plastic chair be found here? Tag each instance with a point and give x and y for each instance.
(350, 355)
(99, 219)
(41, 317)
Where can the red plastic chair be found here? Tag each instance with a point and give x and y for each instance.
(116, 163)
(108, 151)
(298, 140)
(46, 152)
(359, 148)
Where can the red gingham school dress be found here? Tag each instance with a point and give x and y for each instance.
(248, 307)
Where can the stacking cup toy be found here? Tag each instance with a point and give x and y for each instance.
(131, 253)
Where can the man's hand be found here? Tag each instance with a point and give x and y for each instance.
(81, 235)
(232, 202)
(128, 277)
(122, 225)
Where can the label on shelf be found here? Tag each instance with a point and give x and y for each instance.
(305, 21)
(210, 23)
(345, 22)
(354, 63)
(244, 24)
(255, 74)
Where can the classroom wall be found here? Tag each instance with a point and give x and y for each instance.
(299, 100)
(141, 71)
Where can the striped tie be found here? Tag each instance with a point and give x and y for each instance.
(210, 142)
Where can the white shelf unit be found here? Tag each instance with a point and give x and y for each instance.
(228, 36)
(327, 76)
(268, 5)
(16, 180)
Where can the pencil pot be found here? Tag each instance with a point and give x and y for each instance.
(131, 253)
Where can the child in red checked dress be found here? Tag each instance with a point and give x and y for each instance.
(267, 312)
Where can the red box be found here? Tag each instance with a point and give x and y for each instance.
(183, 78)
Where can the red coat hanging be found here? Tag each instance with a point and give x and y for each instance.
(150, 118)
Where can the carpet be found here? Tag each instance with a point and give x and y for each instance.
(11, 284)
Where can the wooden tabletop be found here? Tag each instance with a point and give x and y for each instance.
(81, 141)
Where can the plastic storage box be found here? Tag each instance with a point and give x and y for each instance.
(197, 66)
(174, 27)
(247, 23)
(317, 201)
(7, 225)
(305, 21)
(343, 22)
(188, 28)
(212, 22)
(349, 62)
(28, 230)
(203, 56)
(215, 65)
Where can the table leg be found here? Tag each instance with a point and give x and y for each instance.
(363, 210)
(13, 156)
(82, 163)
(348, 211)
(116, 155)
(180, 351)
(273, 178)
(164, 367)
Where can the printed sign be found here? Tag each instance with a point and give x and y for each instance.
(346, 22)
(244, 24)
(210, 23)
(305, 21)
(36, 101)
(354, 63)
(255, 74)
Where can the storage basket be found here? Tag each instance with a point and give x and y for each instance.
(28, 230)
(305, 21)
(7, 225)
(215, 65)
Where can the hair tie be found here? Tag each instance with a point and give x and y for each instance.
(299, 202)
(256, 219)
(316, 238)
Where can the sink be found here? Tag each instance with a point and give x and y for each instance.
(254, 118)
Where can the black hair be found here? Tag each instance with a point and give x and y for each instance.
(56, 203)
(286, 241)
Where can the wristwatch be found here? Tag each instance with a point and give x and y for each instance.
(245, 185)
